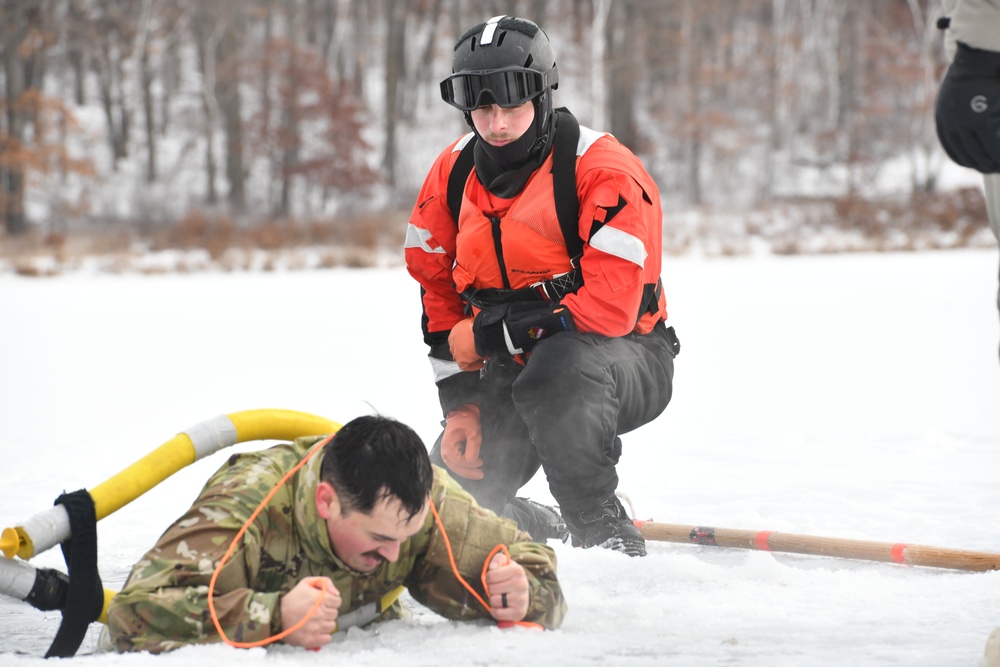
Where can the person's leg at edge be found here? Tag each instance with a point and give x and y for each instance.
(509, 459)
(992, 185)
(577, 394)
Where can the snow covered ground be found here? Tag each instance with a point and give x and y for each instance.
(843, 396)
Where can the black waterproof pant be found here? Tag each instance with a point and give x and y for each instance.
(564, 411)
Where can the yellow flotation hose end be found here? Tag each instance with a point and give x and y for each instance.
(10, 542)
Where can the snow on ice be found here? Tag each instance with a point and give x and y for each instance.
(851, 396)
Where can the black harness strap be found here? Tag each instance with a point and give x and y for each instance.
(563, 181)
(458, 176)
(85, 594)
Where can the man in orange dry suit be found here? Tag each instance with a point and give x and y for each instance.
(548, 341)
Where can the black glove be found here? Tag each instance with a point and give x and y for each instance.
(967, 112)
(515, 328)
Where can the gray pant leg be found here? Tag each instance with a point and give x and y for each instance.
(509, 458)
(992, 183)
(577, 394)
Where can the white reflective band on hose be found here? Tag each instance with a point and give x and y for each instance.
(212, 435)
(620, 244)
(418, 238)
(47, 529)
(17, 578)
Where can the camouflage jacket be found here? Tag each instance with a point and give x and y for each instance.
(164, 604)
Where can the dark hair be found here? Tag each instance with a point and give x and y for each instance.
(375, 457)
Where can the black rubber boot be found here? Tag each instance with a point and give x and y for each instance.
(540, 521)
(606, 525)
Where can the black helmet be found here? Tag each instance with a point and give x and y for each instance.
(505, 61)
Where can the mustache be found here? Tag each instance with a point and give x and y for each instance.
(376, 555)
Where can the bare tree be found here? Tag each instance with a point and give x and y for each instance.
(146, 89)
(116, 24)
(691, 91)
(289, 137)
(264, 119)
(598, 67)
(34, 127)
(20, 49)
(227, 89)
(724, 99)
(395, 64)
(206, 31)
(175, 15)
(424, 75)
(625, 36)
(77, 48)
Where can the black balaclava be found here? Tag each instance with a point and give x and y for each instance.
(504, 170)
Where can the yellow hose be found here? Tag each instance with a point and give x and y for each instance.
(49, 528)
(179, 452)
(279, 425)
(46, 529)
(143, 475)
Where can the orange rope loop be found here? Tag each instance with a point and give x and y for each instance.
(319, 600)
(486, 565)
(232, 546)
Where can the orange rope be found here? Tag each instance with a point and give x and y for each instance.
(319, 600)
(486, 565)
(232, 547)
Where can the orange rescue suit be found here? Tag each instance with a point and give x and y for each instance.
(514, 243)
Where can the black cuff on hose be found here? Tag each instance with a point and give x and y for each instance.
(48, 593)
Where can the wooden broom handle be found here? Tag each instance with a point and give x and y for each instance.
(766, 540)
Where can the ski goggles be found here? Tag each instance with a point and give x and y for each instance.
(507, 87)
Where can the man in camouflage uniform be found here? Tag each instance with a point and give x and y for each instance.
(353, 525)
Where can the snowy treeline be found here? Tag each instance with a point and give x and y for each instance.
(139, 111)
